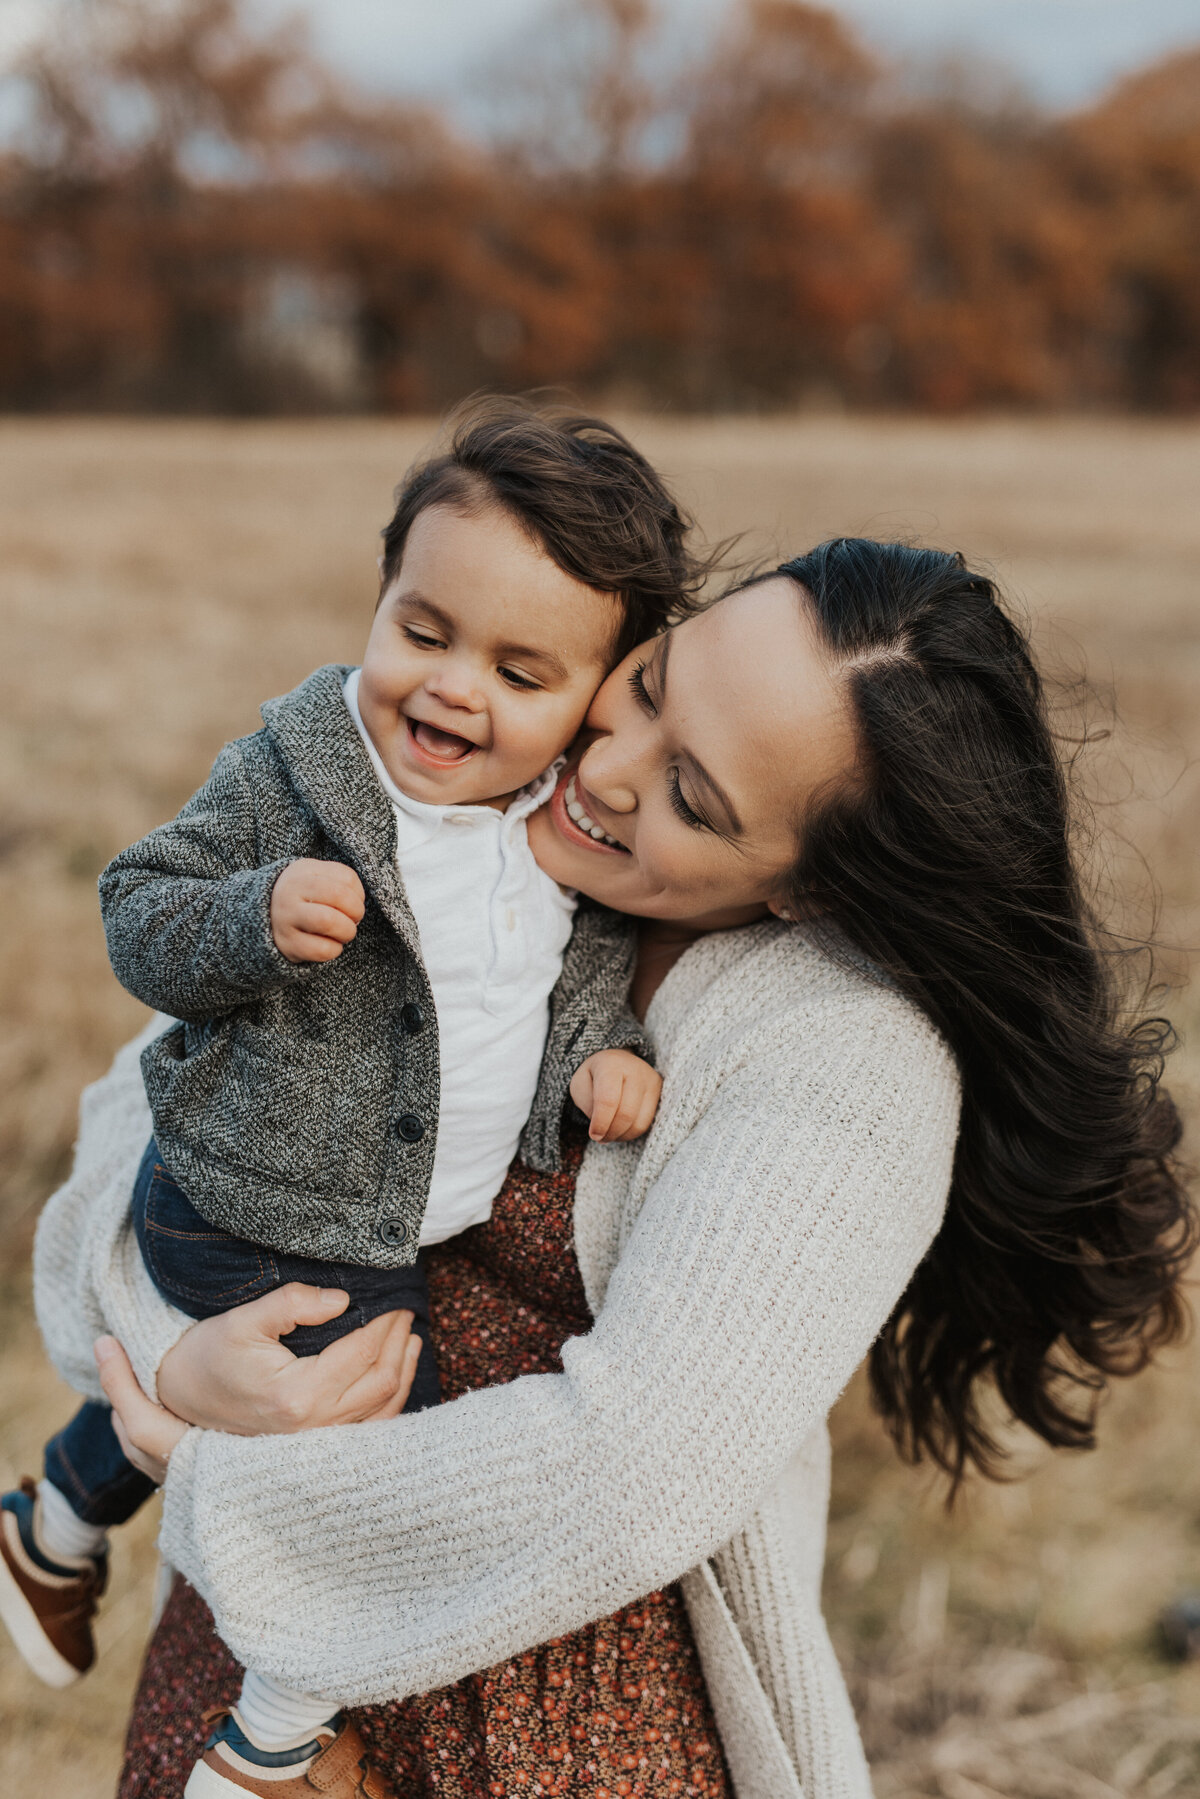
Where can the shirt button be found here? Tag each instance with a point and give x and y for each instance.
(412, 1018)
(393, 1231)
(410, 1127)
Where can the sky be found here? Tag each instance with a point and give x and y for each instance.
(1066, 51)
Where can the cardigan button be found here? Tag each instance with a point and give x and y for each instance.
(412, 1018)
(393, 1232)
(410, 1127)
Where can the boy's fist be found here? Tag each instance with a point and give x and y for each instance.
(618, 1092)
(316, 909)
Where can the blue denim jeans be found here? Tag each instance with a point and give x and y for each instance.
(204, 1270)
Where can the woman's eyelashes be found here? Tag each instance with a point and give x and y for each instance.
(641, 693)
(680, 807)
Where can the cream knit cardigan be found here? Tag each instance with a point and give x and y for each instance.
(738, 1265)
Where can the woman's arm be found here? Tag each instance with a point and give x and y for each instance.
(90, 1282)
(394, 1558)
(366, 1375)
(88, 1277)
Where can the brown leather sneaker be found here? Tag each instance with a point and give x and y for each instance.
(333, 1763)
(47, 1606)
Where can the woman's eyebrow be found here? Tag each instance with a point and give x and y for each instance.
(697, 769)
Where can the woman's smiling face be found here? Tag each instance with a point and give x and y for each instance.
(706, 747)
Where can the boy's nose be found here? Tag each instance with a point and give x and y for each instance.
(454, 684)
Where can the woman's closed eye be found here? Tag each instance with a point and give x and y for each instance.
(641, 693)
(680, 806)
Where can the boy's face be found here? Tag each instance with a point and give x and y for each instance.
(482, 660)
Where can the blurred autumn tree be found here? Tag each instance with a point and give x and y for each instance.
(196, 215)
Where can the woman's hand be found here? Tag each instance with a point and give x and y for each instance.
(146, 1432)
(232, 1373)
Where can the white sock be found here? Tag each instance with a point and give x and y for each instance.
(59, 1533)
(276, 1718)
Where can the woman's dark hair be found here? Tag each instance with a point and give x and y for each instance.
(947, 860)
(581, 491)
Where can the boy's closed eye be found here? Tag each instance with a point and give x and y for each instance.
(518, 678)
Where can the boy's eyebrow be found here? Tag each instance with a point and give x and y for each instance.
(701, 774)
(524, 652)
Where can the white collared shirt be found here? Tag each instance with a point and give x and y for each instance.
(493, 930)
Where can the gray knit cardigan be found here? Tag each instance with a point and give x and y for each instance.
(738, 1264)
(297, 1105)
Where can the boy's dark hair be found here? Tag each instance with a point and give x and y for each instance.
(581, 491)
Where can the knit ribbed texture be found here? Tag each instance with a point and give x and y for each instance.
(88, 1273)
(740, 1265)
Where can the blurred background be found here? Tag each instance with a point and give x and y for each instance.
(900, 267)
(751, 206)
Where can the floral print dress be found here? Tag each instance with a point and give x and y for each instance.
(616, 1710)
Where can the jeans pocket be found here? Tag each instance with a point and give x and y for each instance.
(194, 1264)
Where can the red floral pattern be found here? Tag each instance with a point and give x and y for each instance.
(617, 1710)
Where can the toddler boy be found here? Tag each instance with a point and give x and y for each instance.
(378, 992)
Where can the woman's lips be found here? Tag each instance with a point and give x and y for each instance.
(440, 749)
(574, 821)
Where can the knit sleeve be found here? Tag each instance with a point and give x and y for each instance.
(187, 909)
(88, 1276)
(378, 1560)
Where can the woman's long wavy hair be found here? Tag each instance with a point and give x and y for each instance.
(948, 862)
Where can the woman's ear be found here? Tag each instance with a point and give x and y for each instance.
(781, 909)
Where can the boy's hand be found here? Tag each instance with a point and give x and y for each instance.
(619, 1093)
(316, 909)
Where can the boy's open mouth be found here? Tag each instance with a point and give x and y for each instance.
(441, 747)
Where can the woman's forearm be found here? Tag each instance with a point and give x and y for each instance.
(381, 1560)
(90, 1281)
(88, 1274)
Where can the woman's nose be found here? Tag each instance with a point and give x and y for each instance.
(608, 771)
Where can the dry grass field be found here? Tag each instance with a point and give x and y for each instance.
(157, 580)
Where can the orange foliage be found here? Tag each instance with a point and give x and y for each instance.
(200, 217)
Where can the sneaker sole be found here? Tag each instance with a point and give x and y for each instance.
(32, 1643)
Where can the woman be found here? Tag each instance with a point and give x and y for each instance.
(903, 1115)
